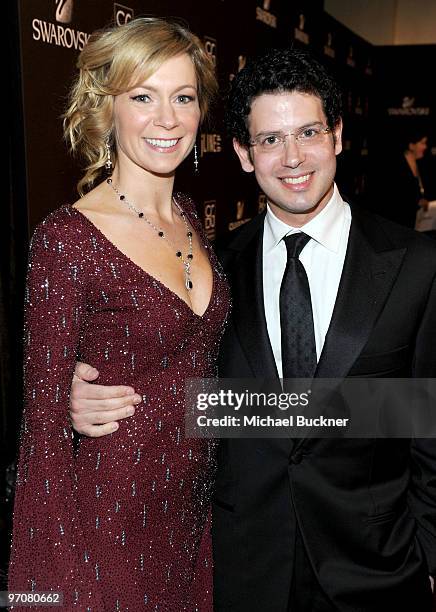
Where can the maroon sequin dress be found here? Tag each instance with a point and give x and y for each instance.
(119, 522)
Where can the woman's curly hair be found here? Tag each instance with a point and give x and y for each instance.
(280, 71)
(114, 60)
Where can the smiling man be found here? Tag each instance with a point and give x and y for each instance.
(291, 153)
(320, 288)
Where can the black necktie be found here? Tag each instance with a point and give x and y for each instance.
(296, 320)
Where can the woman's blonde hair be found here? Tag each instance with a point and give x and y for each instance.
(112, 62)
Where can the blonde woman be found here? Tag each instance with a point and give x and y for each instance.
(123, 279)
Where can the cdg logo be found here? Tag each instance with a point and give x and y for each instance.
(210, 47)
(122, 14)
(210, 218)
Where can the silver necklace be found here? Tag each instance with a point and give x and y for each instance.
(189, 257)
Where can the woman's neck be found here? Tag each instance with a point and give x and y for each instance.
(147, 192)
(411, 160)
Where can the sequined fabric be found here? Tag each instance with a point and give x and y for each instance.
(121, 522)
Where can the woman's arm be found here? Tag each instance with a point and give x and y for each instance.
(48, 548)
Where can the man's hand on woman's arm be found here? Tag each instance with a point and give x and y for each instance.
(95, 409)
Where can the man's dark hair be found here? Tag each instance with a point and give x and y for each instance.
(280, 71)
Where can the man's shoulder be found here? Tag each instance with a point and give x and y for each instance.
(391, 235)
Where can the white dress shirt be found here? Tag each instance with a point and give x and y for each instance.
(323, 259)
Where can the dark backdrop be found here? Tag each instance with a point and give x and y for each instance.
(44, 39)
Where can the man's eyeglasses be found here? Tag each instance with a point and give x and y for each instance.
(305, 137)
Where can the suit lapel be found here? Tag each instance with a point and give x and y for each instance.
(248, 312)
(371, 266)
(370, 269)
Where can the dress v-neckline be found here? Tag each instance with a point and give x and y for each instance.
(162, 285)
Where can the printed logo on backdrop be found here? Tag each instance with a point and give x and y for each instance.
(209, 220)
(264, 14)
(366, 107)
(350, 57)
(240, 219)
(299, 33)
(242, 60)
(210, 47)
(64, 11)
(368, 67)
(55, 33)
(210, 143)
(122, 14)
(328, 47)
(408, 108)
(358, 109)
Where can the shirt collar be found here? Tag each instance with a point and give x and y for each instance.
(325, 227)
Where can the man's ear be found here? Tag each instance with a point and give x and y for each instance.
(243, 153)
(338, 137)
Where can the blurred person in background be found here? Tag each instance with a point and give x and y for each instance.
(399, 190)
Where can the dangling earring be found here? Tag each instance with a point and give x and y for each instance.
(108, 164)
(196, 170)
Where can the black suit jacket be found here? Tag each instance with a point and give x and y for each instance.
(366, 509)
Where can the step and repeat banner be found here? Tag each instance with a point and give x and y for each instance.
(54, 31)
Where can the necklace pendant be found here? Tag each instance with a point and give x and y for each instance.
(188, 282)
(161, 234)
